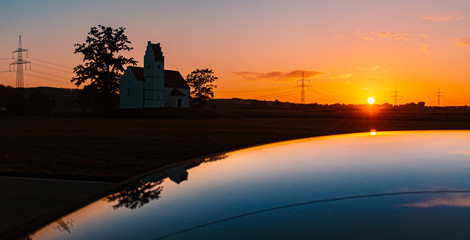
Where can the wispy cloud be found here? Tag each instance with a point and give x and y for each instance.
(463, 152)
(342, 76)
(279, 76)
(368, 69)
(450, 201)
(416, 39)
(397, 36)
(374, 77)
(463, 42)
(302, 28)
(453, 15)
(424, 48)
(339, 36)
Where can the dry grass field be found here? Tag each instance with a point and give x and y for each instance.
(115, 148)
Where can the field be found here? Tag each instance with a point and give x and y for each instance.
(115, 148)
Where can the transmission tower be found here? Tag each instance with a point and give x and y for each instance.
(395, 95)
(439, 95)
(303, 86)
(18, 64)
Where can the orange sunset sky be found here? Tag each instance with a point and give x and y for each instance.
(349, 50)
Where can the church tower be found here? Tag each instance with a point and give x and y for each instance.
(154, 86)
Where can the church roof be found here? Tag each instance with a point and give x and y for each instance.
(173, 79)
(138, 72)
(176, 92)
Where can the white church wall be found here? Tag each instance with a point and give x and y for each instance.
(186, 98)
(131, 91)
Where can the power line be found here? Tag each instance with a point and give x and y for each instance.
(37, 59)
(258, 90)
(276, 94)
(286, 94)
(5, 59)
(46, 78)
(48, 74)
(39, 65)
(337, 96)
(319, 97)
(332, 98)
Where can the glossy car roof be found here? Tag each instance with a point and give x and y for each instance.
(388, 185)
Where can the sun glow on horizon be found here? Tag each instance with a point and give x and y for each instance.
(371, 100)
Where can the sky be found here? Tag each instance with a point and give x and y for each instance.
(347, 50)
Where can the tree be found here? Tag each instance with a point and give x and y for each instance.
(136, 195)
(102, 66)
(277, 103)
(200, 81)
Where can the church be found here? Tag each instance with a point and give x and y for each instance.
(152, 86)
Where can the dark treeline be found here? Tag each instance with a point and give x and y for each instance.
(33, 101)
(276, 104)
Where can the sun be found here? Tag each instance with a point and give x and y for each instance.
(371, 100)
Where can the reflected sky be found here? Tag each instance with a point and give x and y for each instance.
(389, 167)
(451, 200)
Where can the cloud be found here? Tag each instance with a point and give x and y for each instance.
(463, 152)
(374, 77)
(302, 28)
(424, 48)
(463, 42)
(397, 36)
(374, 68)
(276, 75)
(453, 15)
(400, 37)
(339, 36)
(451, 201)
(342, 76)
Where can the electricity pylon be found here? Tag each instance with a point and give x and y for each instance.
(19, 64)
(303, 86)
(395, 95)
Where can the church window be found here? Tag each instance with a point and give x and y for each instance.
(128, 92)
(158, 67)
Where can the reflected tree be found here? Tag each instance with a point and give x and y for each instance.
(215, 158)
(64, 225)
(27, 237)
(136, 195)
(142, 192)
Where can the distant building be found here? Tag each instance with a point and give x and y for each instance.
(151, 86)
